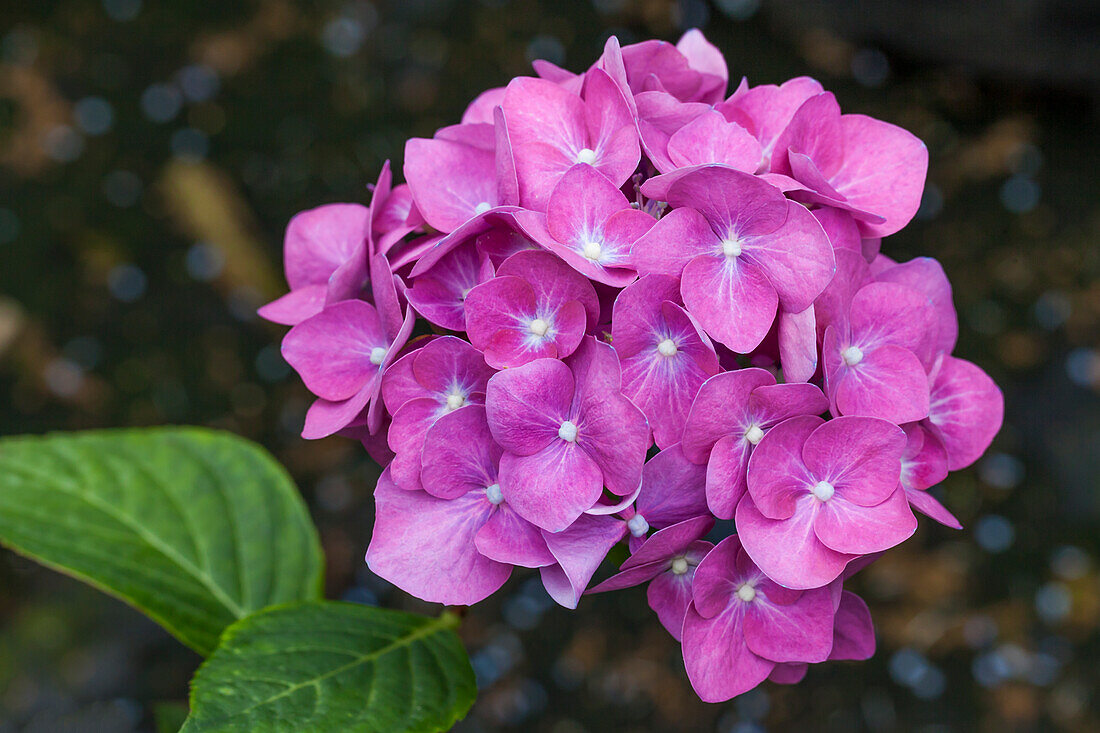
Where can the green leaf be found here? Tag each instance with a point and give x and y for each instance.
(195, 528)
(168, 717)
(331, 666)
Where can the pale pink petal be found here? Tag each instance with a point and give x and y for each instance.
(796, 257)
(450, 182)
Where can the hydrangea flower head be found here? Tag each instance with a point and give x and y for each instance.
(650, 303)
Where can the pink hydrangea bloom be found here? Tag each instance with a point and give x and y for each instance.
(567, 431)
(624, 257)
(822, 493)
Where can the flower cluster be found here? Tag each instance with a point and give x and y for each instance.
(651, 305)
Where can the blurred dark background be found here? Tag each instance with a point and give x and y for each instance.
(151, 152)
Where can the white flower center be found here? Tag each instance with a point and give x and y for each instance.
(568, 432)
(852, 355)
(679, 565)
(731, 247)
(754, 434)
(746, 593)
(539, 326)
(637, 525)
(586, 156)
(377, 355)
(455, 400)
(823, 490)
(592, 250)
(667, 347)
(482, 207)
(494, 494)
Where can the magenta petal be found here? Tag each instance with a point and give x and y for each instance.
(768, 108)
(406, 437)
(425, 546)
(294, 307)
(788, 674)
(886, 384)
(883, 171)
(439, 294)
(582, 201)
(966, 411)
(770, 404)
(788, 550)
(579, 551)
(509, 538)
(735, 204)
(924, 463)
(325, 418)
(726, 470)
(451, 182)
(859, 456)
(720, 408)
(553, 282)
(319, 240)
(929, 506)
(860, 530)
(631, 577)
(333, 351)
(709, 138)
(719, 664)
(853, 631)
(669, 596)
(798, 344)
(796, 257)
(796, 632)
(672, 242)
(553, 487)
(458, 454)
(612, 134)
(672, 489)
(926, 275)
(669, 542)
(527, 405)
(778, 477)
(887, 313)
(733, 300)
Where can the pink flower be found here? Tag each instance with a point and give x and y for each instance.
(421, 387)
(766, 110)
(552, 129)
(318, 242)
(729, 417)
(740, 248)
(666, 560)
(868, 167)
(440, 293)
(741, 624)
(665, 355)
(589, 224)
(923, 465)
(457, 544)
(874, 356)
(342, 352)
(821, 493)
(567, 431)
(966, 409)
(536, 306)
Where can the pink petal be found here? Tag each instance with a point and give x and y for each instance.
(580, 204)
(928, 505)
(612, 135)
(788, 550)
(450, 182)
(859, 456)
(726, 475)
(814, 131)
(481, 109)
(672, 489)
(733, 300)
(859, 530)
(709, 138)
(926, 275)
(579, 551)
(719, 664)
(459, 454)
(885, 384)
(425, 546)
(721, 408)
(924, 463)
(883, 171)
(553, 487)
(797, 632)
(778, 477)
(966, 410)
(796, 257)
(332, 350)
(509, 538)
(669, 596)
(853, 631)
(769, 108)
(677, 238)
(798, 344)
(320, 240)
(664, 544)
(553, 282)
(886, 313)
(439, 294)
(527, 405)
(734, 203)
(296, 306)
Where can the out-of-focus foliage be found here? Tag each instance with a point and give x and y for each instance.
(152, 152)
